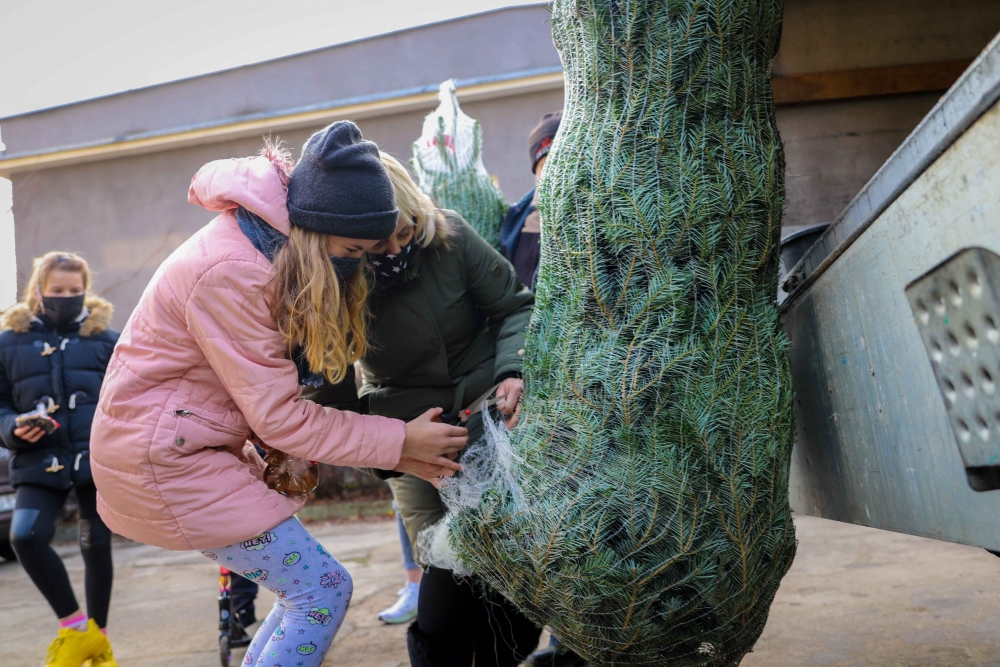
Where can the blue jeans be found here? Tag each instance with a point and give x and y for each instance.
(404, 541)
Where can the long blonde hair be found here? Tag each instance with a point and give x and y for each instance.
(312, 307)
(43, 266)
(313, 310)
(432, 227)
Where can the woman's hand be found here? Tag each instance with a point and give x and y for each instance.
(434, 474)
(29, 433)
(430, 441)
(510, 405)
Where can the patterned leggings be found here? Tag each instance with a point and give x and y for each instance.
(313, 591)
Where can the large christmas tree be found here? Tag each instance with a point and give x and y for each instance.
(641, 507)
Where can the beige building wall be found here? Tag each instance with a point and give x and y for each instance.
(127, 215)
(8, 273)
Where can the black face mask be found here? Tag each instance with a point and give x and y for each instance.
(390, 268)
(62, 311)
(345, 266)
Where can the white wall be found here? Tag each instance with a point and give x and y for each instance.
(8, 266)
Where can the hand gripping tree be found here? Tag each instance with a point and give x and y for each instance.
(448, 163)
(641, 507)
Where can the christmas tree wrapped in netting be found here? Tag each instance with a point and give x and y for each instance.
(640, 508)
(448, 163)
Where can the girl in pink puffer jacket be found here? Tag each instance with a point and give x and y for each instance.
(205, 359)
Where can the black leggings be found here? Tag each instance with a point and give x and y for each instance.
(474, 622)
(35, 511)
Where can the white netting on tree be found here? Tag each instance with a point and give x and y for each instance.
(448, 163)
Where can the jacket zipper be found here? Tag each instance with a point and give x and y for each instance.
(210, 423)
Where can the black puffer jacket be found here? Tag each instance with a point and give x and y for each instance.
(38, 362)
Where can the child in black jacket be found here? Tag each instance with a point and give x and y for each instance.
(54, 350)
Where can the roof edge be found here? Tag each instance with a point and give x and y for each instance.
(368, 106)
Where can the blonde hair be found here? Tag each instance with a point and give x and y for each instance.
(415, 206)
(314, 310)
(43, 266)
(312, 307)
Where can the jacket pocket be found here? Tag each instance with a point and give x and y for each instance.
(195, 432)
(211, 423)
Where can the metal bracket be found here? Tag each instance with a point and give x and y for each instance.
(956, 306)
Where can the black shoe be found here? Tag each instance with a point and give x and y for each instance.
(555, 655)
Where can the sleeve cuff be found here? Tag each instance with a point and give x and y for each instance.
(388, 447)
(506, 376)
(7, 436)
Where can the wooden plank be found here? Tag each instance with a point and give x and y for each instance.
(867, 82)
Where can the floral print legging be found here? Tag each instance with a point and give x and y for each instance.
(313, 591)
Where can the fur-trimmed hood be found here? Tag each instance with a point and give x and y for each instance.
(18, 317)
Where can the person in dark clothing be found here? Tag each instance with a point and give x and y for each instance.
(448, 316)
(244, 594)
(54, 351)
(477, 625)
(520, 232)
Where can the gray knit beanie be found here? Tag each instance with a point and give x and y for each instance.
(339, 186)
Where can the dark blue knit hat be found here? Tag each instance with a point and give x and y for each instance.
(339, 186)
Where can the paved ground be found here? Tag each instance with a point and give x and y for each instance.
(855, 597)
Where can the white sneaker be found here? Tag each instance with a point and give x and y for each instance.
(405, 609)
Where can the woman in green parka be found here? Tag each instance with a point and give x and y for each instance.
(448, 316)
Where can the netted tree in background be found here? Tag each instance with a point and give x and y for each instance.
(641, 507)
(448, 163)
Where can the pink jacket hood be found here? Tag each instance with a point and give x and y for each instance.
(256, 183)
(198, 366)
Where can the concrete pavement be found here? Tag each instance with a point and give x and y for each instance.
(854, 597)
